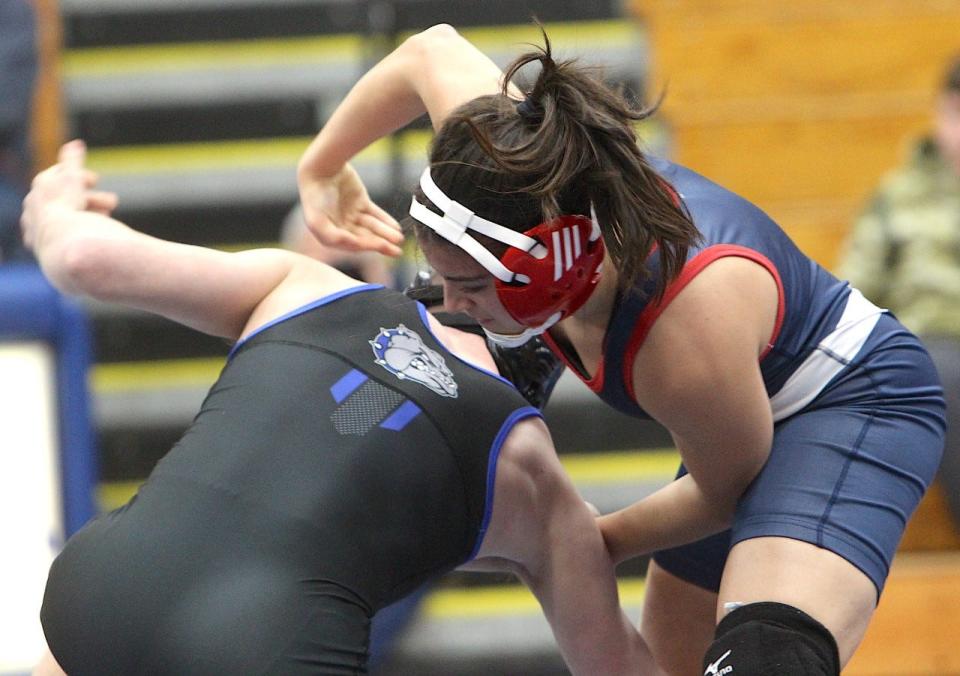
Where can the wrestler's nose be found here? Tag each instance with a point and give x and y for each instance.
(455, 300)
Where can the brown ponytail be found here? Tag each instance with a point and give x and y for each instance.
(568, 145)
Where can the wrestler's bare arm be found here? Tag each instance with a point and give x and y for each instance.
(542, 526)
(82, 250)
(432, 72)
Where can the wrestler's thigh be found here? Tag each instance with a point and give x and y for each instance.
(677, 621)
(817, 581)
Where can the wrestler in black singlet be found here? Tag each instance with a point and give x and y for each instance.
(315, 486)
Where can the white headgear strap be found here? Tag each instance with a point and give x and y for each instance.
(518, 339)
(457, 219)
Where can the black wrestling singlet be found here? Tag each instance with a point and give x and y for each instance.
(342, 458)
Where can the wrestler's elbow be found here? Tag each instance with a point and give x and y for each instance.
(433, 46)
(437, 34)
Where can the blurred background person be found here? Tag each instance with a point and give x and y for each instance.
(904, 254)
(18, 73)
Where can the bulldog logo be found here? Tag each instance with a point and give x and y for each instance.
(402, 352)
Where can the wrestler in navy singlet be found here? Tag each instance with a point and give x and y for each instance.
(342, 458)
(857, 406)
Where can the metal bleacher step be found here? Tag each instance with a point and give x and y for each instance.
(204, 191)
(196, 112)
(128, 77)
(496, 629)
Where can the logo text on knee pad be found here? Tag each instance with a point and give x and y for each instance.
(715, 669)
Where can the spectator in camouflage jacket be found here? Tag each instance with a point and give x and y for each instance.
(904, 254)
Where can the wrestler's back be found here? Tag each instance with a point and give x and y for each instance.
(314, 483)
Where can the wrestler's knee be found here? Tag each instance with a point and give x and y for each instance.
(771, 638)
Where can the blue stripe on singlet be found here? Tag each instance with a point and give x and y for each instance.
(399, 419)
(344, 387)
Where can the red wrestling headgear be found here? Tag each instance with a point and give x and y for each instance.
(548, 272)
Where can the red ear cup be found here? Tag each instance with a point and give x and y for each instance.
(562, 280)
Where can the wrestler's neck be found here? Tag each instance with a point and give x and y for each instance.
(590, 322)
(468, 346)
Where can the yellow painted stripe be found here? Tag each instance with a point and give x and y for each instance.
(237, 54)
(609, 468)
(177, 157)
(603, 33)
(260, 153)
(505, 600)
(155, 375)
(252, 153)
(114, 494)
(243, 54)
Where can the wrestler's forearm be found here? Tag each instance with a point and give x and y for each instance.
(677, 514)
(576, 585)
(69, 243)
(89, 254)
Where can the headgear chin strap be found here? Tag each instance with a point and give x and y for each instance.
(548, 272)
(518, 339)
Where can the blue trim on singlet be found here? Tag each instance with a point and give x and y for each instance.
(344, 387)
(401, 417)
(515, 417)
(305, 308)
(426, 323)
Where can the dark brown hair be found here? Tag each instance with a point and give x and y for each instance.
(570, 144)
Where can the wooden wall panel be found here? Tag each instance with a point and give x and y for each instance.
(801, 107)
(791, 159)
(48, 113)
(914, 631)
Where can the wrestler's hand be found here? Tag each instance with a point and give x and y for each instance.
(65, 187)
(340, 214)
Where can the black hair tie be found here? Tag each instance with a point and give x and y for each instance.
(529, 109)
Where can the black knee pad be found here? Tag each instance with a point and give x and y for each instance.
(760, 639)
